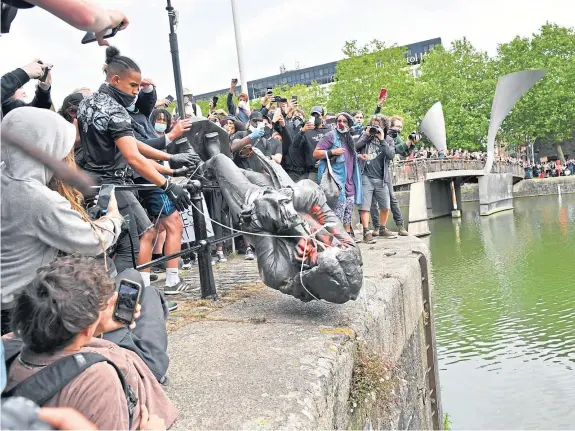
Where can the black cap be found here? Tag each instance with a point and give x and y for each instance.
(72, 99)
(317, 110)
(256, 115)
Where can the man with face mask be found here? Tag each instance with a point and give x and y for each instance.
(304, 145)
(110, 150)
(192, 110)
(242, 112)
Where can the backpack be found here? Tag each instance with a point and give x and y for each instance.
(48, 381)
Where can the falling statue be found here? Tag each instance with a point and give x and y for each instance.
(302, 247)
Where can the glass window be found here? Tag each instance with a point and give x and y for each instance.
(302, 77)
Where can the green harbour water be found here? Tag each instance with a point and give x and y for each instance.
(504, 300)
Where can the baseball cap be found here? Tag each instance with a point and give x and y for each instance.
(256, 115)
(317, 110)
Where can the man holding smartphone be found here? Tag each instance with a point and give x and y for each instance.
(12, 83)
(304, 144)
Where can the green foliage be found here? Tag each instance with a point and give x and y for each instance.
(446, 422)
(222, 104)
(548, 110)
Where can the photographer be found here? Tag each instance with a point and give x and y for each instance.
(13, 81)
(376, 150)
(86, 298)
(110, 149)
(304, 145)
(37, 222)
(404, 149)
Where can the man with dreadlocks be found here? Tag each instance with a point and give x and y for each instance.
(110, 151)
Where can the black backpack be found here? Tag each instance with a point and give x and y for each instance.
(47, 382)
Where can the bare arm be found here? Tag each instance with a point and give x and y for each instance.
(128, 146)
(78, 13)
(277, 158)
(150, 152)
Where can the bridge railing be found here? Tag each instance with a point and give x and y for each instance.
(411, 171)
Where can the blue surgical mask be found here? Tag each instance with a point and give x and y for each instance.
(131, 108)
(161, 128)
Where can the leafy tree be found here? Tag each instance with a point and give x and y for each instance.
(547, 111)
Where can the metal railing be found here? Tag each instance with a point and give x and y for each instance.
(411, 171)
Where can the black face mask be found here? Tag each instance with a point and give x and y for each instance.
(122, 98)
(268, 132)
(317, 122)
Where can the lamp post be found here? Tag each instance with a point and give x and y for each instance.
(176, 58)
(239, 45)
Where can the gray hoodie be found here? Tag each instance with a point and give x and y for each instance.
(36, 221)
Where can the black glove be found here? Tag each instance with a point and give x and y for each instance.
(181, 172)
(177, 195)
(186, 159)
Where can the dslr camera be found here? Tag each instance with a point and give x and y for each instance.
(374, 130)
(414, 136)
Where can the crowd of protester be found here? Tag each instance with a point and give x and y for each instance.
(64, 258)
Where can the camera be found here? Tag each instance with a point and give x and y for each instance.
(414, 136)
(372, 130)
(393, 133)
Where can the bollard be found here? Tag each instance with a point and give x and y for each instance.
(207, 282)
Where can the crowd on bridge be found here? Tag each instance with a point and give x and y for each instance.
(66, 256)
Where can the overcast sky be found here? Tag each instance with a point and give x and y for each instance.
(310, 32)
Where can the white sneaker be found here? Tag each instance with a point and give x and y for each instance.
(250, 254)
(187, 266)
(221, 257)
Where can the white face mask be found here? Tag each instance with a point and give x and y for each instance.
(242, 104)
(186, 99)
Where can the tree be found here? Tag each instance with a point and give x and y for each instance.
(547, 111)
(463, 80)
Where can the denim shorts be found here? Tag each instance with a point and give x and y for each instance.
(375, 189)
(155, 201)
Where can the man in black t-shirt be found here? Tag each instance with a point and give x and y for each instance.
(244, 142)
(110, 151)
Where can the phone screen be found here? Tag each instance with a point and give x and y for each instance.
(128, 296)
(170, 98)
(269, 91)
(104, 197)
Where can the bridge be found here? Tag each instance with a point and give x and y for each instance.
(411, 171)
(435, 187)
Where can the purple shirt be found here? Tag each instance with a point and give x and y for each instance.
(325, 144)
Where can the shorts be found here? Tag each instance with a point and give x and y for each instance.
(375, 188)
(344, 210)
(155, 201)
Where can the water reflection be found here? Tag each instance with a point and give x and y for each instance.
(505, 307)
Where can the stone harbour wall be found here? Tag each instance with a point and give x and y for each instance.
(270, 361)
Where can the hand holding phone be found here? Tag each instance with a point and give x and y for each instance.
(104, 197)
(90, 36)
(382, 95)
(129, 293)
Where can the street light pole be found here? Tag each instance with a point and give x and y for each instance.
(239, 45)
(176, 59)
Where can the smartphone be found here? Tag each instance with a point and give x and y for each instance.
(128, 297)
(215, 101)
(269, 91)
(311, 120)
(383, 93)
(294, 100)
(170, 98)
(47, 70)
(235, 80)
(91, 36)
(104, 197)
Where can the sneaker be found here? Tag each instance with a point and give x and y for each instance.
(221, 257)
(386, 233)
(153, 277)
(375, 231)
(351, 233)
(172, 305)
(181, 287)
(250, 254)
(187, 265)
(402, 232)
(368, 238)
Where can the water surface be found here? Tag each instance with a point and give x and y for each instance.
(505, 315)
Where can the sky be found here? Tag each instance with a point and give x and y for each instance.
(308, 32)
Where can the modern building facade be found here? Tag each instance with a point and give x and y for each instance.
(322, 74)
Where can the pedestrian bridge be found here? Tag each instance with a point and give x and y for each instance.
(435, 187)
(411, 171)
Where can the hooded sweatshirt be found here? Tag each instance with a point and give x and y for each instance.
(36, 221)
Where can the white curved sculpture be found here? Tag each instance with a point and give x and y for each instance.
(510, 88)
(433, 126)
